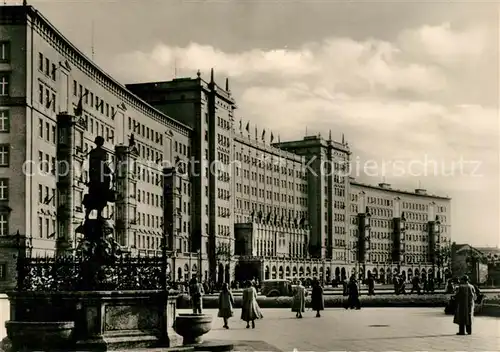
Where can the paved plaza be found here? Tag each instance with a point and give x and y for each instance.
(370, 329)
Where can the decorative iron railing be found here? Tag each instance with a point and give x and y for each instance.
(65, 274)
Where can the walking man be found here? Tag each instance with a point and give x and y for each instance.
(196, 292)
(465, 298)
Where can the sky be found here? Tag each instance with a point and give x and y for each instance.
(413, 86)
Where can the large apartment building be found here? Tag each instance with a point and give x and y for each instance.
(408, 230)
(243, 205)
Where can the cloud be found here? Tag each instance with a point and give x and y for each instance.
(339, 63)
(396, 102)
(442, 45)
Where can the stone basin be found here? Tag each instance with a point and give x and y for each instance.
(192, 327)
(53, 335)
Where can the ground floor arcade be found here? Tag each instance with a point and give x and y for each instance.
(266, 268)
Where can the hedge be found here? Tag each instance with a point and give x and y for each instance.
(493, 299)
(433, 300)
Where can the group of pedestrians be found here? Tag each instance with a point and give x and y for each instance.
(250, 310)
(464, 298)
(299, 298)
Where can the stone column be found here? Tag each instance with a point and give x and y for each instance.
(69, 154)
(125, 214)
(171, 194)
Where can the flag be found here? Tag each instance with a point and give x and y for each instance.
(256, 132)
(272, 137)
(248, 127)
(240, 125)
(263, 135)
(79, 108)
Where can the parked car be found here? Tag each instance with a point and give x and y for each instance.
(277, 287)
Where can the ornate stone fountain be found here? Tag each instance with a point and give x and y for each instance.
(94, 299)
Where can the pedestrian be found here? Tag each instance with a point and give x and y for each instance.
(371, 285)
(402, 285)
(415, 285)
(395, 282)
(464, 312)
(196, 293)
(344, 287)
(317, 299)
(353, 292)
(226, 303)
(299, 300)
(250, 310)
(430, 284)
(450, 288)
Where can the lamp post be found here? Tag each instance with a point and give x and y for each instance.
(198, 252)
(434, 237)
(402, 239)
(164, 262)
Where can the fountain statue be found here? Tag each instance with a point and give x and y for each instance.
(98, 247)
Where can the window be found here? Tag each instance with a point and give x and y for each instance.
(3, 271)
(75, 85)
(47, 66)
(4, 155)
(40, 93)
(53, 102)
(4, 121)
(4, 189)
(53, 72)
(4, 51)
(4, 224)
(40, 61)
(54, 134)
(40, 227)
(40, 128)
(4, 85)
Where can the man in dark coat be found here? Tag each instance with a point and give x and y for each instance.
(464, 298)
(371, 285)
(317, 300)
(353, 291)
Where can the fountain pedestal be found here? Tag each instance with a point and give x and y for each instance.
(95, 320)
(192, 327)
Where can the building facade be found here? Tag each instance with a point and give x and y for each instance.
(230, 202)
(409, 232)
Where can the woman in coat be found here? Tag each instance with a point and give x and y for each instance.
(250, 310)
(226, 303)
(317, 299)
(299, 299)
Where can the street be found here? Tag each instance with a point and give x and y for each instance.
(370, 329)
